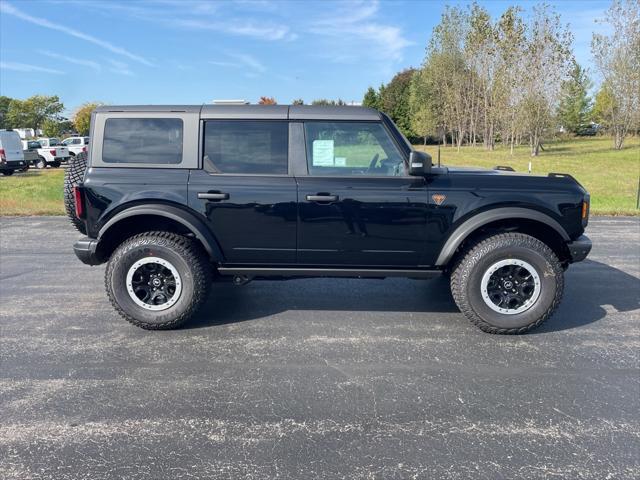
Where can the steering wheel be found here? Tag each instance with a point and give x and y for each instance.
(372, 163)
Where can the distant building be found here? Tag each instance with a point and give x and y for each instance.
(230, 102)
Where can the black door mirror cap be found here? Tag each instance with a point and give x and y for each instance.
(419, 163)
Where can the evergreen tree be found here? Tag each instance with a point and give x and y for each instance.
(575, 105)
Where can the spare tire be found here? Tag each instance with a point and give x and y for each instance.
(72, 176)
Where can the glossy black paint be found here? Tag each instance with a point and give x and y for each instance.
(469, 192)
(112, 190)
(257, 223)
(375, 221)
(385, 222)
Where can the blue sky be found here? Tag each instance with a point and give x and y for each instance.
(193, 51)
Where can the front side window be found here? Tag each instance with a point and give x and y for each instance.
(351, 148)
(143, 140)
(246, 147)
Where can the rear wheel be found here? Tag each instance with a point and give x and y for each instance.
(41, 163)
(157, 280)
(72, 176)
(7, 173)
(508, 284)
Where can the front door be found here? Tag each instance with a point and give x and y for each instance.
(245, 191)
(357, 206)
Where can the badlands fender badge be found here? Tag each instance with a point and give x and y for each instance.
(438, 198)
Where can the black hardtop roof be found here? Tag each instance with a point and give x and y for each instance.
(260, 112)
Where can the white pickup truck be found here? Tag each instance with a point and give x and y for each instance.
(49, 150)
(76, 145)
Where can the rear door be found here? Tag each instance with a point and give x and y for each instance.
(357, 206)
(12, 146)
(245, 191)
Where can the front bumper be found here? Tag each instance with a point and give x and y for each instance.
(85, 250)
(579, 248)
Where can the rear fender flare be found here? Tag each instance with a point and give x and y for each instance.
(190, 221)
(484, 218)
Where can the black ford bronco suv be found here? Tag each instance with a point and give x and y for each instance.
(174, 198)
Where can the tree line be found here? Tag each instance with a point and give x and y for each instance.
(44, 112)
(515, 80)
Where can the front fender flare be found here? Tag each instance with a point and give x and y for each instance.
(484, 218)
(190, 221)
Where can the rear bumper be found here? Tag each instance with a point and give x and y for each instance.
(13, 165)
(85, 250)
(579, 248)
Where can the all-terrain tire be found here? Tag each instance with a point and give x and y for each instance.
(467, 275)
(184, 254)
(72, 176)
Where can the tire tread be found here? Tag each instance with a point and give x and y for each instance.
(192, 254)
(462, 271)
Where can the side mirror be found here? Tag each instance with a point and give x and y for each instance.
(419, 163)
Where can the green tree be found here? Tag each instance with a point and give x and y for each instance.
(51, 128)
(81, 118)
(575, 104)
(298, 101)
(394, 100)
(371, 99)
(325, 102)
(605, 109)
(4, 108)
(32, 112)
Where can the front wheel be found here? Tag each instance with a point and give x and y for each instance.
(508, 284)
(157, 280)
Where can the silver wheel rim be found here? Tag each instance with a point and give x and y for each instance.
(523, 281)
(153, 284)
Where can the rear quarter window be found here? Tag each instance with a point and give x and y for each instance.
(143, 141)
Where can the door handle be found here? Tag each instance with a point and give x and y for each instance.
(213, 196)
(322, 198)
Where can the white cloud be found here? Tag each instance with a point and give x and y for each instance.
(76, 61)
(240, 60)
(9, 9)
(24, 67)
(197, 15)
(119, 68)
(242, 28)
(356, 31)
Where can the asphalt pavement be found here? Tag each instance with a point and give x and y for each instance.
(315, 378)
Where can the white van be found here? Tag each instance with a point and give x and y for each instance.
(11, 155)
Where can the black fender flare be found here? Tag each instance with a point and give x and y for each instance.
(484, 218)
(190, 221)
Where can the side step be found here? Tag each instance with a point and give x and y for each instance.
(329, 272)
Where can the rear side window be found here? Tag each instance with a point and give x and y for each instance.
(246, 147)
(143, 140)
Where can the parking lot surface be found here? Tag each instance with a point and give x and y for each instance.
(317, 378)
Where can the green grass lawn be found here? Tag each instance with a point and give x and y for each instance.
(610, 176)
(36, 192)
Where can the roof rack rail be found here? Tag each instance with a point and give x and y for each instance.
(562, 175)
